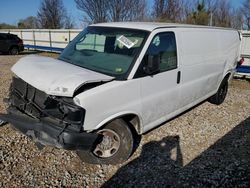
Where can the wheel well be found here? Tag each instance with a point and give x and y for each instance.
(133, 122)
(227, 76)
(13, 46)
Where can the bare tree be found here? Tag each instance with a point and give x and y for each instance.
(113, 10)
(28, 23)
(168, 10)
(159, 6)
(126, 10)
(187, 8)
(173, 10)
(69, 22)
(95, 10)
(246, 13)
(215, 13)
(237, 19)
(222, 13)
(51, 14)
(210, 5)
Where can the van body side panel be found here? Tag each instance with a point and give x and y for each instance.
(109, 100)
(201, 65)
(204, 61)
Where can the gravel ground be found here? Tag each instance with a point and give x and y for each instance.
(208, 146)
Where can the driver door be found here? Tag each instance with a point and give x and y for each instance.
(160, 91)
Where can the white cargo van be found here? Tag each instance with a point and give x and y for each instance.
(118, 80)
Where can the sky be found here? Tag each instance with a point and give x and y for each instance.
(11, 11)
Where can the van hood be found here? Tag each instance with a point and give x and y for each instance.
(53, 76)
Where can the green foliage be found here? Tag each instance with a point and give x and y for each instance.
(200, 16)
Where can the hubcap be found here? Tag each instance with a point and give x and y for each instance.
(108, 145)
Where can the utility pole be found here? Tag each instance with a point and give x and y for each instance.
(211, 19)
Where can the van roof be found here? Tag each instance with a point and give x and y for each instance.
(150, 26)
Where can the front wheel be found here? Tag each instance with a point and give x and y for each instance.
(221, 94)
(13, 51)
(114, 145)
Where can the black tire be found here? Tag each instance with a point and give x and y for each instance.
(14, 51)
(220, 95)
(116, 132)
(2, 122)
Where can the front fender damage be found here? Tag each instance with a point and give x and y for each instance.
(48, 120)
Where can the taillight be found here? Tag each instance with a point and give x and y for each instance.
(241, 61)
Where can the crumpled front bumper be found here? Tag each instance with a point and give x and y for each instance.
(47, 133)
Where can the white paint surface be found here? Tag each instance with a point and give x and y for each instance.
(205, 56)
(53, 76)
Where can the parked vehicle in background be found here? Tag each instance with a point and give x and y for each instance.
(10, 43)
(116, 81)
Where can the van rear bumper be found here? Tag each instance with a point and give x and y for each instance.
(46, 133)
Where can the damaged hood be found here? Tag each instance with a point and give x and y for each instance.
(53, 76)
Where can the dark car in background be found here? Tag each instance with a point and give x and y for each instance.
(10, 43)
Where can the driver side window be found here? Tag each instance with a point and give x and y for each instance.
(163, 45)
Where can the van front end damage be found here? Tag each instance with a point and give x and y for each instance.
(48, 120)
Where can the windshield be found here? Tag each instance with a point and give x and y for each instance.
(107, 50)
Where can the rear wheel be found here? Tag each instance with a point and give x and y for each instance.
(13, 51)
(114, 145)
(221, 94)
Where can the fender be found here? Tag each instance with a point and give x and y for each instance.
(138, 128)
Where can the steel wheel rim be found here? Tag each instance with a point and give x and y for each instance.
(109, 144)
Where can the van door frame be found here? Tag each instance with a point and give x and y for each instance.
(147, 43)
(146, 123)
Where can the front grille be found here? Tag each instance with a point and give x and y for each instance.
(38, 104)
(27, 98)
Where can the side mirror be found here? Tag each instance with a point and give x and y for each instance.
(153, 64)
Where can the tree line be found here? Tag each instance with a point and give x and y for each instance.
(52, 14)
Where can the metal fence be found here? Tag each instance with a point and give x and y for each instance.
(45, 39)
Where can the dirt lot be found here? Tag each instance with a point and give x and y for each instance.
(208, 146)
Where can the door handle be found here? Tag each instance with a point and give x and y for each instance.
(178, 77)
